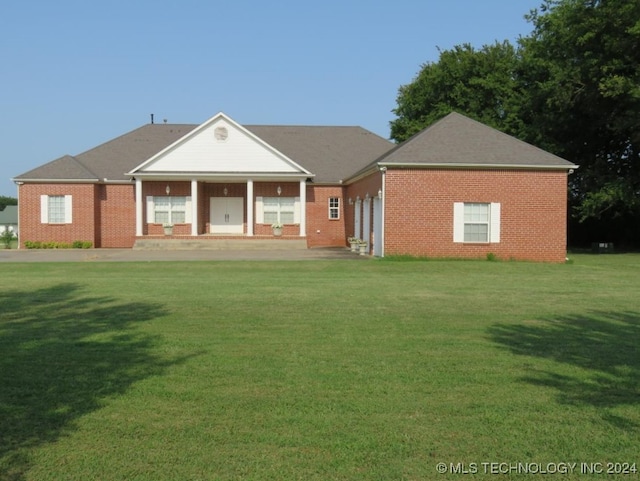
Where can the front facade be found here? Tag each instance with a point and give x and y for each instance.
(425, 197)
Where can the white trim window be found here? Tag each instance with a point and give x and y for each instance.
(476, 222)
(334, 208)
(278, 210)
(168, 209)
(55, 209)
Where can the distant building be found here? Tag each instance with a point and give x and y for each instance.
(9, 219)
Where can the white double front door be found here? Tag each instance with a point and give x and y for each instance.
(226, 215)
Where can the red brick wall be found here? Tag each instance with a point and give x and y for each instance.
(82, 228)
(419, 212)
(322, 231)
(115, 216)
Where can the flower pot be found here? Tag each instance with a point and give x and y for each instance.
(168, 230)
(277, 231)
(363, 249)
(354, 246)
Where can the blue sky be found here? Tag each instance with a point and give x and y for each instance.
(76, 73)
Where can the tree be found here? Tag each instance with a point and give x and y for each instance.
(477, 83)
(581, 70)
(5, 201)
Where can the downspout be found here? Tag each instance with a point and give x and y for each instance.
(19, 184)
(383, 170)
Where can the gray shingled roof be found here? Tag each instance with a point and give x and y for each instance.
(64, 168)
(331, 153)
(457, 140)
(112, 159)
(9, 216)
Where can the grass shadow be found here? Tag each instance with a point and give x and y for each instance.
(61, 354)
(604, 345)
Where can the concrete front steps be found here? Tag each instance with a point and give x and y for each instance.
(218, 243)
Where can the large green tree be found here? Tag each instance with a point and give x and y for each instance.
(581, 70)
(479, 83)
(572, 86)
(5, 201)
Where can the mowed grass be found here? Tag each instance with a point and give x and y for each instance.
(318, 370)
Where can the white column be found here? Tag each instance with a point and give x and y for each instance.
(138, 208)
(303, 208)
(250, 208)
(366, 221)
(194, 207)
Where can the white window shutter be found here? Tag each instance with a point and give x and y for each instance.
(494, 231)
(259, 211)
(68, 209)
(458, 222)
(296, 210)
(187, 207)
(44, 209)
(151, 213)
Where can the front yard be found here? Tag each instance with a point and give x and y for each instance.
(319, 370)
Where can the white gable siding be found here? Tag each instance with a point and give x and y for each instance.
(205, 153)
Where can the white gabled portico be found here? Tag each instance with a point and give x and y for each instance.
(228, 170)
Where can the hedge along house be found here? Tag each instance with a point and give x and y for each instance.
(458, 189)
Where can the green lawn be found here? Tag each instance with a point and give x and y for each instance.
(318, 370)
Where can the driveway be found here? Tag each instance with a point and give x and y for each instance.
(148, 255)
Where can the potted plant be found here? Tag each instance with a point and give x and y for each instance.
(353, 243)
(168, 229)
(362, 246)
(276, 227)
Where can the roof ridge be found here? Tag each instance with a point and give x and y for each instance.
(81, 164)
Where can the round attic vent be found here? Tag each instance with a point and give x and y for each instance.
(221, 134)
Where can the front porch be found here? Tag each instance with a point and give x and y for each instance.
(210, 242)
(230, 210)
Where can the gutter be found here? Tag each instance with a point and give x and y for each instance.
(372, 169)
(431, 165)
(54, 181)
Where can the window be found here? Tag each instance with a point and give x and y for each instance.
(476, 222)
(55, 209)
(168, 210)
(278, 210)
(334, 208)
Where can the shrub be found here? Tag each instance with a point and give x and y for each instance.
(58, 245)
(6, 237)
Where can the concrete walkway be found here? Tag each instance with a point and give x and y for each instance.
(148, 255)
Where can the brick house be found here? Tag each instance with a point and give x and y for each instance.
(456, 189)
